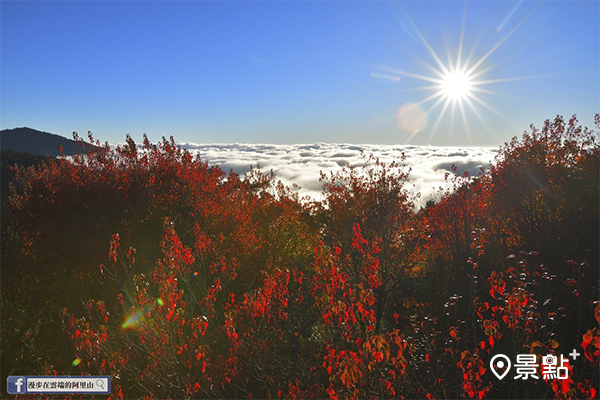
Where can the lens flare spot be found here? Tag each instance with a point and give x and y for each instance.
(135, 318)
(385, 77)
(160, 302)
(76, 362)
(131, 322)
(411, 118)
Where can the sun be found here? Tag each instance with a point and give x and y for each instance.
(456, 85)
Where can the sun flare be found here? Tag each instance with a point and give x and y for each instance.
(456, 85)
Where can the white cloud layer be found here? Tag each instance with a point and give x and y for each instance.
(301, 164)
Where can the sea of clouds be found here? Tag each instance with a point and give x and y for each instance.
(301, 164)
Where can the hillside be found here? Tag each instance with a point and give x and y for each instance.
(27, 147)
(27, 140)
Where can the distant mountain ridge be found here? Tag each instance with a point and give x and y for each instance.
(27, 140)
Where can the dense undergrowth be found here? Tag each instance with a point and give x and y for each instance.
(181, 281)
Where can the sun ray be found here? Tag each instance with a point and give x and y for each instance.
(411, 75)
(480, 117)
(501, 41)
(450, 61)
(509, 16)
(492, 109)
(462, 38)
(431, 68)
(424, 63)
(516, 78)
(419, 89)
(472, 52)
(422, 88)
(476, 74)
(486, 70)
(487, 91)
(452, 117)
(439, 119)
(434, 105)
(408, 139)
(465, 123)
(428, 98)
(428, 46)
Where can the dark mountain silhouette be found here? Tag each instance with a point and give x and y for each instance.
(27, 140)
(28, 147)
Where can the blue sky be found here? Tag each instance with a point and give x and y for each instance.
(297, 72)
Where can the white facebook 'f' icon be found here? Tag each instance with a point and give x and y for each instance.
(18, 384)
(15, 384)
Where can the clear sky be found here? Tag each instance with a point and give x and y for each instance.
(382, 72)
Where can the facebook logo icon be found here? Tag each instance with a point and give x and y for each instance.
(16, 384)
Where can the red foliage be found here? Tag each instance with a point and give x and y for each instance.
(223, 286)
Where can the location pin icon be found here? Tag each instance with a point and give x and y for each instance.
(496, 366)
